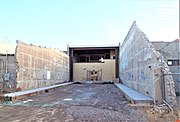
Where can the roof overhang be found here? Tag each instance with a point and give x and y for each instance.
(93, 47)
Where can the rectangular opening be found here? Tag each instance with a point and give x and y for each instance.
(90, 56)
(173, 62)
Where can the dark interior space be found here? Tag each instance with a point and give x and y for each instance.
(92, 55)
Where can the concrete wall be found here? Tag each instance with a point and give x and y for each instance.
(108, 70)
(140, 67)
(38, 66)
(176, 77)
(7, 68)
(171, 50)
(7, 73)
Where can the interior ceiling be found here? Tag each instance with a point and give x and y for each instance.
(102, 51)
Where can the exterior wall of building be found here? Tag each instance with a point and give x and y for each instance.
(7, 73)
(141, 66)
(176, 77)
(91, 56)
(38, 66)
(171, 51)
(107, 68)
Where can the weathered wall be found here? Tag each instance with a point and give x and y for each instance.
(108, 70)
(38, 66)
(7, 73)
(7, 68)
(171, 50)
(176, 77)
(140, 66)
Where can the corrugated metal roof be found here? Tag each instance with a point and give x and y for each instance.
(6, 48)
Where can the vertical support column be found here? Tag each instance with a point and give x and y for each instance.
(71, 64)
(101, 74)
(117, 62)
(119, 49)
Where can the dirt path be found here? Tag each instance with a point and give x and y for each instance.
(76, 103)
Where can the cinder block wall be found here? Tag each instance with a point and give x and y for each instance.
(140, 67)
(39, 66)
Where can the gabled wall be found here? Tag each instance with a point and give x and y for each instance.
(140, 67)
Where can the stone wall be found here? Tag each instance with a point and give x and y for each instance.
(141, 67)
(39, 66)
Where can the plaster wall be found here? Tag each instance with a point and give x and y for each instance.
(108, 70)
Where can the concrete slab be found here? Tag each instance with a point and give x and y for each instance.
(22, 94)
(134, 96)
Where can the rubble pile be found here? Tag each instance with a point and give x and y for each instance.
(159, 109)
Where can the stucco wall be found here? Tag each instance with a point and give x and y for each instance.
(108, 70)
(38, 66)
(140, 66)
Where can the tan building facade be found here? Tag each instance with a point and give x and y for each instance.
(94, 71)
(94, 63)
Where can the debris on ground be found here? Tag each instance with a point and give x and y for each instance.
(77, 103)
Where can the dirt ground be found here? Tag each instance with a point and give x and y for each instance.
(78, 103)
(178, 106)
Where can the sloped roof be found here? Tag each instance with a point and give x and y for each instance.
(177, 40)
(6, 48)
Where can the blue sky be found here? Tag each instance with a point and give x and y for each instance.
(56, 23)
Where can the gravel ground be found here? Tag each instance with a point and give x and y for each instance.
(178, 106)
(78, 103)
